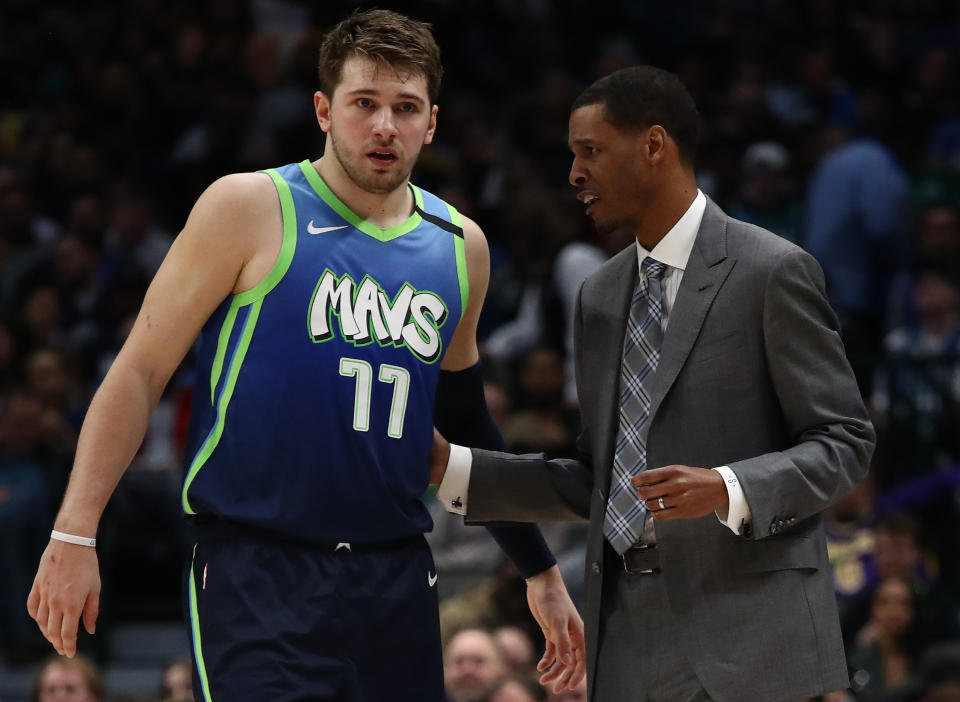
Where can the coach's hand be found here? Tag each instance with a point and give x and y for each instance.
(564, 661)
(681, 492)
(67, 585)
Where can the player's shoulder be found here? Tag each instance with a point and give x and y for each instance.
(236, 210)
(243, 192)
(472, 231)
(238, 202)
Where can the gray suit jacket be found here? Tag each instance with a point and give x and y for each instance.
(752, 375)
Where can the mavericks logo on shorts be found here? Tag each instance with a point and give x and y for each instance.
(366, 314)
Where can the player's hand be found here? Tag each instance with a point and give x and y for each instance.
(67, 585)
(687, 492)
(439, 455)
(564, 661)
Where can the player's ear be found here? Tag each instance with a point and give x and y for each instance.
(432, 127)
(321, 105)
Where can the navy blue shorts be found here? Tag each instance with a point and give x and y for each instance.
(279, 622)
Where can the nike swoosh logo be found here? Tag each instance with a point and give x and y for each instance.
(431, 579)
(321, 230)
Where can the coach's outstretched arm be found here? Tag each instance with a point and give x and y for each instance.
(461, 413)
(216, 253)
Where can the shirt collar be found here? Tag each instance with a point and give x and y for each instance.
(675, 247)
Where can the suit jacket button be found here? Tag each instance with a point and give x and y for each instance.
(595, 567)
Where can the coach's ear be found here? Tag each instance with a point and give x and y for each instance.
(321, 104)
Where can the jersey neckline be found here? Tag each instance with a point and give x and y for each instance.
(337, 205)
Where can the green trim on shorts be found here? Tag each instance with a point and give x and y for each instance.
(195, 631)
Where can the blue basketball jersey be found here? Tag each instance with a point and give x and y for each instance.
(313, 413)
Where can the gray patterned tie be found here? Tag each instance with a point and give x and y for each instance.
(626, 514)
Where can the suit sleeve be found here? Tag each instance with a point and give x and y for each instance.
(819, 399)
(505, 487)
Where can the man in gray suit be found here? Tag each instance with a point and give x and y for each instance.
(719, 418)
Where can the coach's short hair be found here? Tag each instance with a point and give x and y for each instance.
(641, 96)
(387, 37)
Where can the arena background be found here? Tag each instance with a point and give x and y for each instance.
(834, 124)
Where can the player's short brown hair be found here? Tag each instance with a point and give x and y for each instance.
(389, 38)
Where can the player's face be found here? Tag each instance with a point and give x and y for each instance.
(607, 171)
(377, 122)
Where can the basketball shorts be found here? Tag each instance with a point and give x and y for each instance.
(280, 622)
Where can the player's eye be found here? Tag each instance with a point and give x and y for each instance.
(364, 102)
(407, 107)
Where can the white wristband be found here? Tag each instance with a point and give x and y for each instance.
(71, 539)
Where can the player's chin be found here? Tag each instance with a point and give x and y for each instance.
(384, 181)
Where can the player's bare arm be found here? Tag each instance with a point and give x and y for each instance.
(564, 661)
(462, 352)
(230, 241)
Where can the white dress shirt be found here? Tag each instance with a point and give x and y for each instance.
(673, 250)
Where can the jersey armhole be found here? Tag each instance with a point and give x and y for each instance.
(461, 254)
(288, 214)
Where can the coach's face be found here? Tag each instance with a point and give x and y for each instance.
(611, 169)
(377, 120)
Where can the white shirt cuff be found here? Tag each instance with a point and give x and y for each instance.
(737, 514)
(452, 491)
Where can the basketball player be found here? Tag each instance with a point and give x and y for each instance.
(334, 303)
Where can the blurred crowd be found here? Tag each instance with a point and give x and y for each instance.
(835, 125)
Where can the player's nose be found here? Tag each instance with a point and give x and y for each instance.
(384, 123)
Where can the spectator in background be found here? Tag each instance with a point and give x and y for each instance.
(63, 679)
(494, 602)
(766, 195)
(938, 679)
(541, 424)
(848, 525)
(8, 358)
(579, 694)
(135, 240)
(25, 233)
(856, 228)
(520, 689)
(936, 242)
(472, 666)
(50, 381)
(898, 555)
(516, 650)
(916, 398)
(176, 681)
(24, 517)
(886, 650)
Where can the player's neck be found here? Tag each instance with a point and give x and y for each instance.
(383, 210)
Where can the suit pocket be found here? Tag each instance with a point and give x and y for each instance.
(710, 349)
(778, 553)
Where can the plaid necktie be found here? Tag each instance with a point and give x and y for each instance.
(626, 514)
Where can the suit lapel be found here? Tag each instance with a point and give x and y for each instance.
(706, 270)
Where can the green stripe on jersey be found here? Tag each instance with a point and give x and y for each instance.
(287, 249)
(460, 250)
(225, 396)
(255, 294)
